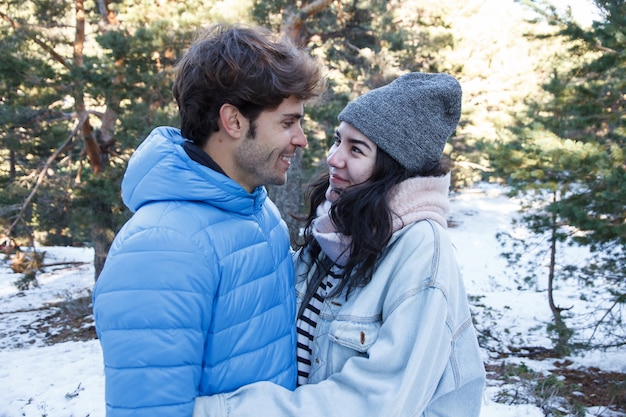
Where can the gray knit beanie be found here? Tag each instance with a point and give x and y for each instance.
(410, 119)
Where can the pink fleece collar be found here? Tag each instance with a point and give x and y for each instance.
(415, 199)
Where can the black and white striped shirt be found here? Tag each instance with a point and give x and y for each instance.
(306, 327)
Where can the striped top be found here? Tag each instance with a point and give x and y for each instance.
(306, 327)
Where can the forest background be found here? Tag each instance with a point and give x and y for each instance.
(83, 82)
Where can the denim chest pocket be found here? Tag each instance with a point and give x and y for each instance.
(344, 340)
(357, 336)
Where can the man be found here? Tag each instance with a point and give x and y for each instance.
(196, 296)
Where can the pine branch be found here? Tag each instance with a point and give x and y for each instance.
(17, 25)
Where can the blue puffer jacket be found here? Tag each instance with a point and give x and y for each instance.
(196, 296)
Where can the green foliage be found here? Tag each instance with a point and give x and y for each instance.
(564, 157)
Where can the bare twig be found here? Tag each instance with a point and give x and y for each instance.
(43, 171)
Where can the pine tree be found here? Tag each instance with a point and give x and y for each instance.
(565, 159)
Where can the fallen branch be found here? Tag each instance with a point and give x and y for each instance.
(69, 263)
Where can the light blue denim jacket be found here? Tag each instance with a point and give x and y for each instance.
(403, 345)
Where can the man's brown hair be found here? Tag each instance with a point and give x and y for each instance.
(248, 67)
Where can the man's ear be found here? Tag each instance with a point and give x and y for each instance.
(231, 120)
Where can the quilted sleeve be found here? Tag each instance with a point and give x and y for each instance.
(152, 308)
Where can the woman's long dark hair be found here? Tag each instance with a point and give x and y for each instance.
(363, 213)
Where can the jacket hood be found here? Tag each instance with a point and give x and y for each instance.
(161, 170)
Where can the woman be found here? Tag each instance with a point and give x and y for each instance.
(384, 324)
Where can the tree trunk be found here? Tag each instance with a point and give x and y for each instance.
(12, 164)
(102, 231)
(294, 20)
(102, 238)
(98, 146)
(563, 333)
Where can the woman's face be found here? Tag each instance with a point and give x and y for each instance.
(350, 160)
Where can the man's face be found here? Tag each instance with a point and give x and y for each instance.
(264, 155)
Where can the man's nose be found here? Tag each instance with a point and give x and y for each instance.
(300, 139)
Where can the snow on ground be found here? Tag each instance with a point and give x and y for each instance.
(67, 380)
